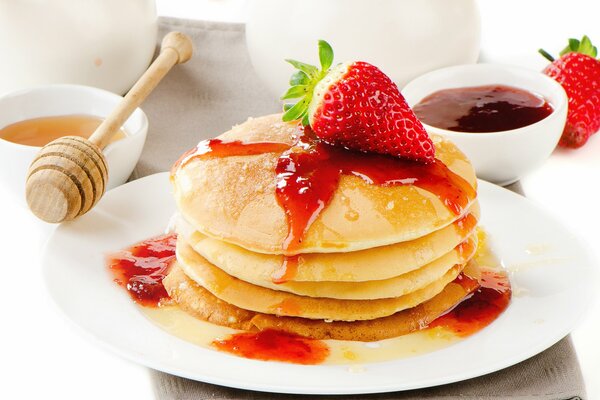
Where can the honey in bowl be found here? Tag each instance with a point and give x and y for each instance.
(41, 131)
(482, 109)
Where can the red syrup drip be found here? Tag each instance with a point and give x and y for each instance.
(465, 224)
(142, 267)
(274, 345)
(218, 148)
(287, 270)
(479, 309)
(465, 248)
(308, 174)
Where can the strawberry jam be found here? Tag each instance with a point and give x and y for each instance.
(465, 224)
(142, 267)
(482, 109)
(482, 307)
(308, 174)
(218, 148)
(287, 270)
(274, 345)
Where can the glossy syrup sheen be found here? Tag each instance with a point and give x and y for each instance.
(273, 345)
(178, 323)
(465, 224)
(142, 267)
(481, 109)
(308, 174)
(41, 131)
(218, 148)
(482, 307)
(489, 296)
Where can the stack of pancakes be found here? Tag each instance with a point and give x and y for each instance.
(377, 262)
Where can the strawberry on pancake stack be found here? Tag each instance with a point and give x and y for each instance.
(340, 219)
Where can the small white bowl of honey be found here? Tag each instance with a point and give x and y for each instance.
(31, 118)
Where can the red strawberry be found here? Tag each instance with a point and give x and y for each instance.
(578, 71)
(357, 106)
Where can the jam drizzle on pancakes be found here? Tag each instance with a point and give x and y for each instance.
(465, 224)
(142, 267)
(219, 148)
(481, 308)
(308, 174)
(487, 298)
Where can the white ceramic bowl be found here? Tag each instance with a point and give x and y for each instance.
(54, 100)
(499, 157)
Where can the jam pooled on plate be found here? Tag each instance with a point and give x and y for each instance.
(274, 345)
(482, 307)
(142, 267)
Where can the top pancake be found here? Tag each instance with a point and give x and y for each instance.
(233, 199)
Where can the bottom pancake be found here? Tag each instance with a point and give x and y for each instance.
(202, 304)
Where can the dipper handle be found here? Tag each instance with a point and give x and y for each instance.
(69, 174)
(176, 48)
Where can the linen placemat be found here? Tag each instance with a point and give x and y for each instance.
(217, 89)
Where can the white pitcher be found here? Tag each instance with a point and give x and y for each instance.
(405, 38)
(102, 43)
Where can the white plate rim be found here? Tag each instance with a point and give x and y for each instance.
(241, 382)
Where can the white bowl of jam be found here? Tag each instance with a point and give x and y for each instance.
(31, 118)
(506, 119)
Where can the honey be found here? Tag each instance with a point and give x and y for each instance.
(41, 131)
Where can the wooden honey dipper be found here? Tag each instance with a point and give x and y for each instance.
(69, 175)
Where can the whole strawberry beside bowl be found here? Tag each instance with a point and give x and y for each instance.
(578, 71)
(357, 106)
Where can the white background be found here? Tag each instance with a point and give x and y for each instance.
(41, 355)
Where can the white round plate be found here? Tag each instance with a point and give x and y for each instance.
(550, 272)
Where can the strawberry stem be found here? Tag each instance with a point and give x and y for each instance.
(546, 55)
(583, 46)
(303, 82)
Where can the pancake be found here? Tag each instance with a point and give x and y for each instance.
(233, 199)
(202, 304)
(358, 266)
(255, 298)
(367, 290)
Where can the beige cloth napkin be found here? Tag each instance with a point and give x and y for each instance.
(218, 88)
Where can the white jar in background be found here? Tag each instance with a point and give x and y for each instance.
(102, 43)
(405, 38)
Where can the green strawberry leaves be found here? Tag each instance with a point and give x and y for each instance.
(297, 111)
(306, 68)
(294, 92)
(325, 55)
(583, 46)
(299, 78)
(303, 82)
